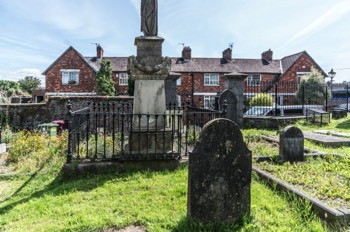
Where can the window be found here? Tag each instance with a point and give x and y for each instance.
(123, 78)
(178, 81)
(209, 102)
(254, 80)
(211, 79)
(300, 75)
(70, 76)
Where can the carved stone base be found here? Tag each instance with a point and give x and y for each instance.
(148, 46)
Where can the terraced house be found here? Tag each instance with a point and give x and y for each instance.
(200, 79)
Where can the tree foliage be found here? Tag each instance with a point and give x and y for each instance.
(29, 83)
(311, 89)
(261, 99)
(10, 88)
(104, 81)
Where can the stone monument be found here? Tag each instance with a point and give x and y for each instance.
(219, 175)
(149, 69)
(292, 144)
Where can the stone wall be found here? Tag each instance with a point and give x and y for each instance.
(21, 116)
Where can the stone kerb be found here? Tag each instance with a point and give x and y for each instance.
(291, 144)
(219, 175)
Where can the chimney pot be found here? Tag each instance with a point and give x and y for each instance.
(267, 55)
(99, 54)
(186, 53)
(227, 54)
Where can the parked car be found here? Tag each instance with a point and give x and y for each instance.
(343, 106)
(281, 110)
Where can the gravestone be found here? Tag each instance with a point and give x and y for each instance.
(292, 144)
(230, 99)
(235, 83)
(219, 174)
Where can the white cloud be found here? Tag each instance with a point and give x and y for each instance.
(16, 75)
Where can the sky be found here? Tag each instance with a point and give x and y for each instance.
(34, 33)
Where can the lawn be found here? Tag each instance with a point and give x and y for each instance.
(155, 200)
(38, 198)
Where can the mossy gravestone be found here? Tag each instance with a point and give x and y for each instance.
(219, 176)
(292, 144)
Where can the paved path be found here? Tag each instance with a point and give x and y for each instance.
(326, 140)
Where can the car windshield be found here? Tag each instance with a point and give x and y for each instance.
(257, 111)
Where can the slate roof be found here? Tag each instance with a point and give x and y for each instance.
(119, 64)
(217, 65)
(288, 61)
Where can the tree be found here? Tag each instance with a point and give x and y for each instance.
(29, 83)
(261, 99)
(311, 89)
(104, 81)
(9, 88)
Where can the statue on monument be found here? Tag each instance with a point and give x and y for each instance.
(149, 17)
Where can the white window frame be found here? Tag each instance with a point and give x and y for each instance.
(178, 81)
(70, 76)
(123, 78)
(207, 101)
(211, 79)
(300, 75)
(252, 79)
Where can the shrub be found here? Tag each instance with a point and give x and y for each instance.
(31, 150)
(6, 135)
(261, 99)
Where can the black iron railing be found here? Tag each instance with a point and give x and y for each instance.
(106, 132)
(284, 98)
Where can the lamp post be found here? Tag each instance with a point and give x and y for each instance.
(331, 74)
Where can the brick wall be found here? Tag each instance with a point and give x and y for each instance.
(189, 86)
(71, 60)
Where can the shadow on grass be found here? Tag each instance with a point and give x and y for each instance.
(186, 224)
(61, 185)
(344, 125)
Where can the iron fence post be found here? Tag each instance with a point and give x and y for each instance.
(224, 111)
(70, 131)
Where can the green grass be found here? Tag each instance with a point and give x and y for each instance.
(44, 201)
(155, 200)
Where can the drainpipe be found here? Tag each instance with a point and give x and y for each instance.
(192, 75)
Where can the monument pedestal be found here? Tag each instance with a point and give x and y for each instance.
(149, 69)
(152, 145)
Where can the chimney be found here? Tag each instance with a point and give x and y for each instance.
(186, 53)
(227, 54)
(267, 56)
(99, 54)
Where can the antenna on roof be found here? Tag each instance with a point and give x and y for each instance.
(230, 45)
(183, 44)
(97, 44)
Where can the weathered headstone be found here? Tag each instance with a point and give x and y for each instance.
(235, 83)
(292, 144)
(219, 174)
(229, 98)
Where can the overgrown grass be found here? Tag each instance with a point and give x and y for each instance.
(155, 200)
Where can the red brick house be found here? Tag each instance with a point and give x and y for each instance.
(201, 78)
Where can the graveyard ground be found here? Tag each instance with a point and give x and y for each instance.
(37, 198)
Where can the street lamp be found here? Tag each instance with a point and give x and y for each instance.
(331, 74)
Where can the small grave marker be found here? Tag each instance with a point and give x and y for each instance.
(292, 144)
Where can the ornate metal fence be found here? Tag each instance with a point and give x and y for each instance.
(106, 132)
